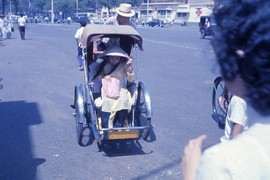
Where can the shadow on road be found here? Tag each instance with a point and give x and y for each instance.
(123, 148)
(16, 156)
(164, 167)
(113, 148)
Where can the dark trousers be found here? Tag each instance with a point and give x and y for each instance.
(22, 32)
(118, 121)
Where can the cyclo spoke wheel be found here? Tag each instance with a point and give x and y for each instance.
(220, 109)
(78, 120)
(141, 113)
(202, 34)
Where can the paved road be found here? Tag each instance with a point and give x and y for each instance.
(38, 140)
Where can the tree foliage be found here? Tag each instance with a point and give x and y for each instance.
(67, 7)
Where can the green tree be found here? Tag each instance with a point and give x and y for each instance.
(38, 6)
(87, 5)
(65, 6)
(4, 4)
(115, 3)
(16, 5)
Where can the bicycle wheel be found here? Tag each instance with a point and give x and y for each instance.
(79, 113)
(141, 111)
(220, 101)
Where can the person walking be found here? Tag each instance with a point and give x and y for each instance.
(77, 36)
(2, 23)
(22, 25)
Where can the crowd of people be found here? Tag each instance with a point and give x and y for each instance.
(6, 27)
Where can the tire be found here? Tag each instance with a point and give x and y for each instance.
(219, 112)
(202, 33)
(79, 117)
(141, 113)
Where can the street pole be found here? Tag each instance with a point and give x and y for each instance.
(147, 13)
(52, 14)
(29, 7)
(77, 6)
(10, 7)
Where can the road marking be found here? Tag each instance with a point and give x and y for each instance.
(178, 45)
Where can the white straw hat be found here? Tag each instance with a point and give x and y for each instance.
(115, 50)
(125, 10)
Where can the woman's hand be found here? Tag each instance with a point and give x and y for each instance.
(192, 157)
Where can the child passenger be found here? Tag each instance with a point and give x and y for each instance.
(116, 70)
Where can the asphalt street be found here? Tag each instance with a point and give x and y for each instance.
(37, 128)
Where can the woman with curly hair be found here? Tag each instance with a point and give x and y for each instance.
(243, 54)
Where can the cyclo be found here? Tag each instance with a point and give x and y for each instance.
(87, 112)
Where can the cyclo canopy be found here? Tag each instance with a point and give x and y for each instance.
(93, 32)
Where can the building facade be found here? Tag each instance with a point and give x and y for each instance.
(178, 11)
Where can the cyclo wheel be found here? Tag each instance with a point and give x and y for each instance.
(141, 112)
(79, 113)
(202, 31)
(220, 110)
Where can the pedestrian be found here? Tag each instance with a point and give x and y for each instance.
(22, 26)
(77, 36)
(46, 19)
(68, 20)
(2, 26)
(236, 119)
(243, 55)
(36, 19)
(8, 27)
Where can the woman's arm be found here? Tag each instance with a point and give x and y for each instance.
(192, 156)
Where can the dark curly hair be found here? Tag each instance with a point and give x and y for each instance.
(245, 25)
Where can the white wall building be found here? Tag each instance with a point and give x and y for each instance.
(177, 10)
(193, 10)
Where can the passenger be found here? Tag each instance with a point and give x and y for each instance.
(114, 72)
(236, 119)
(207, 23)
(243, 54)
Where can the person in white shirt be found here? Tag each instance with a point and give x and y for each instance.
(243, 55)
(68, 20)
(22, 25)
(236, 119)
(2, 23)
(77, 37)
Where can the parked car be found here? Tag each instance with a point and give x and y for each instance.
(207, 26)
(155, 22)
